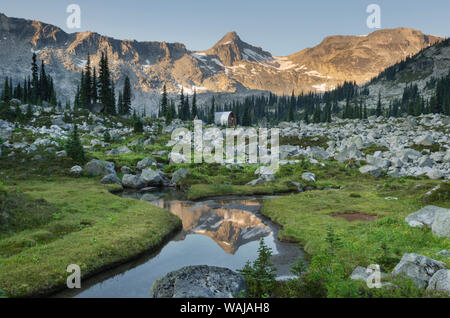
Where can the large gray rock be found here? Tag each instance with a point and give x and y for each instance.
(111, 179)
(179, 175)
(126, 170)
(265, 174)
(424, 217)
(319, 153)
(378, 162)
(199, 282)
(257, 181)
(372, 170)
(440, 281)
(288, 151)
(151, 177)
(360, 273)
(349, 152)
(417, 267)
(426, 140)
(133, 182)
(99, 168)
(441, 224)
(5, 133)
(434, 174)
(119, 151)
(146, 162)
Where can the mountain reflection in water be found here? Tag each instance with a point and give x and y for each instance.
(230, 224)
(221, 232)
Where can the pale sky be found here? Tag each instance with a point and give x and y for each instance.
(281, 27)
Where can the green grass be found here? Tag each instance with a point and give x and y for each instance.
(373, 148)
(199, 191)
(88, 226)
(315, 141)
(307, 218)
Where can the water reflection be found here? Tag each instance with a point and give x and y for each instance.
(221, 232)
(229, 224)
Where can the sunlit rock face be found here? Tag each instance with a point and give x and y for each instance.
(230, 224)
(230, 66)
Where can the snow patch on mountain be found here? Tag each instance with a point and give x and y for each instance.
(321, 88)
(250, 54)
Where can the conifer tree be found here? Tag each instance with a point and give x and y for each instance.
(105, 87)
(34, 79)
(74, 148)
(164, 103)
(212, 111)
(120, 108)
(379, 110)
(126, 107)
(291, 108)
(194, 105)
(181, 105)
(94, 93)
(316, 116)
(306, 116)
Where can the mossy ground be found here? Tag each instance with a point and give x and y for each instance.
(307, 218)
(84, 224)
(79, 221)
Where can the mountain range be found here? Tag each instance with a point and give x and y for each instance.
(230, 66)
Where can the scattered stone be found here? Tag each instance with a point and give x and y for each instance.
(308, 176)
(443, 253)
(257, 181)
(362, 273)
(76, 170)
(298, 185)
(61, 154)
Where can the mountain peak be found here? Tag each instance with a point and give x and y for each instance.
(229, 38)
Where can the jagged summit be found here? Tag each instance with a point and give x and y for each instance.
(230, 37)
(231, 49)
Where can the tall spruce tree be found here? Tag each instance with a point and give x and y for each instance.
(34, 79)
(291, 108)
(164, 103)
(212, 111)
(379, 110)
(194, 105)
(126, 97)
(74, 148)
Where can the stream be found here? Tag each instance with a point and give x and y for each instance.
(222, 231)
